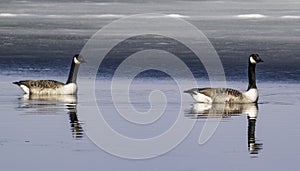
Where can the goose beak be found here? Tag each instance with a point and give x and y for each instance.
(259, 60)
(81, 59)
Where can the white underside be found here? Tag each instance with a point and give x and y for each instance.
(25, 89)
(70, 88)
(201, 98)
(250, 96)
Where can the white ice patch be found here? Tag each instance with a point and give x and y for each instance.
(290, 17)
(177, 16)
(251, 16)
(168, 16)
(86, 16)
(103, 16)
(14, 15)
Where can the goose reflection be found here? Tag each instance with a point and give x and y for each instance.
(76, 128)
(72, 99)
(45, 102)
(202, 111)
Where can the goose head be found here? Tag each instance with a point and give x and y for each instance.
(78, 59)
(255, 58)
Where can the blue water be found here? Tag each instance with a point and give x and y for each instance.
(38, 40)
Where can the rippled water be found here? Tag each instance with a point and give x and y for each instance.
(47, 133)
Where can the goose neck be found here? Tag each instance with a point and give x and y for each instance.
(251, 76)
(73, 73)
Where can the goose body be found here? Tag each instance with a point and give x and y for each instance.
(228, 95)
(52, 87)
(223, 95)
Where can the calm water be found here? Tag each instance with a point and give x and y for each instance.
(37, 133)
(38, 39)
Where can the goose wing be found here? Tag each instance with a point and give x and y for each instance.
(40, 84)
(204, 91)
(212, 92)
(216, 95)
(207, 91)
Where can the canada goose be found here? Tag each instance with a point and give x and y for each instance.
(228, 95)
(52, 87)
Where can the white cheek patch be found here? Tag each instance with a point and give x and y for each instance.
(252, 60)
(76, 61)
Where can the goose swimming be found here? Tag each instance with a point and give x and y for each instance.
(228, 95)
(52, 87)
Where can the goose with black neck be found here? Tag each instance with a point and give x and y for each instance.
(228, 95)
(53, 87)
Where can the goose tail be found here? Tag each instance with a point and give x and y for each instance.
(191, 91)
(17, 83)
(23, 86)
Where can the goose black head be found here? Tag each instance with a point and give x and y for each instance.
(255, 58)
(78, 59)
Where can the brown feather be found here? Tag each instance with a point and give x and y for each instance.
(41, 84)
(206, 91)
